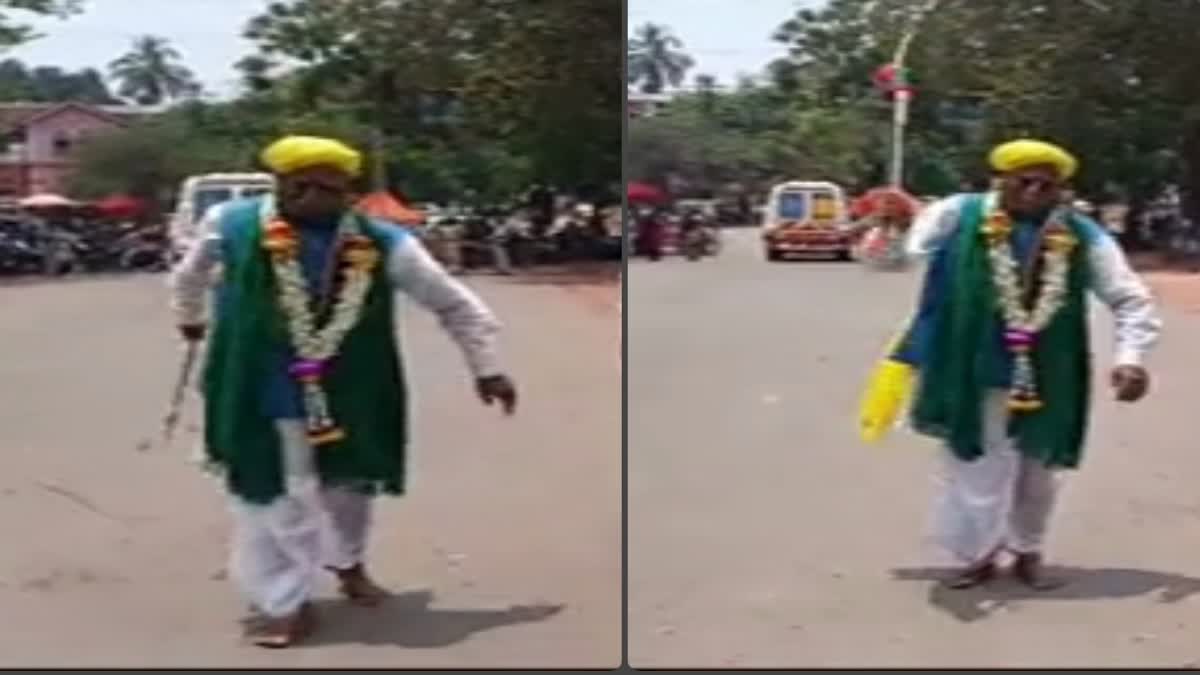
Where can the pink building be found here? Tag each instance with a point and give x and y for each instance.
(42, 139)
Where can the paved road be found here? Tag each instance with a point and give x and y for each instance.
(505, 553)
(763, 534)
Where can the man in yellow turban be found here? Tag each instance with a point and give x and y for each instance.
(1001, 347)
(305, 401)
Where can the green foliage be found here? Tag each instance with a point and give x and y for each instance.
(150, 160)
(1112, 80)
(546, 81)
(754, 136)
(504, 83)
(13, 33)
(454, 99)
(51, 84)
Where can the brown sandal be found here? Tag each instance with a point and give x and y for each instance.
(282, 632)
(972, 577)
(357, 587)
(1029, 570)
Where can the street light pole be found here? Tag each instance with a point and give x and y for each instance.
(903, 96)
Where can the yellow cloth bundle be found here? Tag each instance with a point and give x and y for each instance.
(294, 153)
(888, 391)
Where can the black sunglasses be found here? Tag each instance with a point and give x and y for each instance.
(1041, 184)
(303, 187)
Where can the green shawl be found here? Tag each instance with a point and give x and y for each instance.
(365, 383)
(965, 350)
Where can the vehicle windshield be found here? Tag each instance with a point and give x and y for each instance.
(256, 191)
(824, 206)
(792, 206)
(206, 198)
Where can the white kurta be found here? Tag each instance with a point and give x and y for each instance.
(1003, 499)
(280, 548)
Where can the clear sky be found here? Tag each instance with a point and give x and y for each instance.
(206, 32)
(726, 37)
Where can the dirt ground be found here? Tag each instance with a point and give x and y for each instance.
(1180, 290)
(505, 553)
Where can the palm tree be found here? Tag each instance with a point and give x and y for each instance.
(656, 59)
(150, 73)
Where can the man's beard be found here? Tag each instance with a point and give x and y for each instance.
(313, 221)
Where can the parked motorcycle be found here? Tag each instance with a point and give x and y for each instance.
(696, 238)
(20, 255)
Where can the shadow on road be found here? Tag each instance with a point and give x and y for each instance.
(1082, 584)
(407, 620)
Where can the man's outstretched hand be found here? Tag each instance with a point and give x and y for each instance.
(497, 388)
(1130, 383)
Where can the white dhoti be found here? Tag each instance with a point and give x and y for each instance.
(1001, 500)
(280, 548)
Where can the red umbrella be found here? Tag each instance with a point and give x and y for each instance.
(872, 200)
(120, 206)
(644, 193)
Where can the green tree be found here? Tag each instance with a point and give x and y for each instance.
(1110, 80)
(149, 160)
(258, 73)
(706, 91)
(54, 84)
(152, 72)
(550, 100)
(753, 135)
(656, 59)
(51, 84)
(450, 96)
(388, 58)
(13, 33)
(506, 75)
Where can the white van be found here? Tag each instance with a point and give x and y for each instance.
(806, 217)
(198, 194)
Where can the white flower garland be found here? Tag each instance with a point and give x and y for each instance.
(315, 346)
(1023, 325)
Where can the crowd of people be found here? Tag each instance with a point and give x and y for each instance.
(658, 230)
(504, 238)
(507, 238)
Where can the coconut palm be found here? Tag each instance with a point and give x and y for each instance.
(150, 73)
(656, 59)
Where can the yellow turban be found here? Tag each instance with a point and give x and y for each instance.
(294, 153)
(1025, 153)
